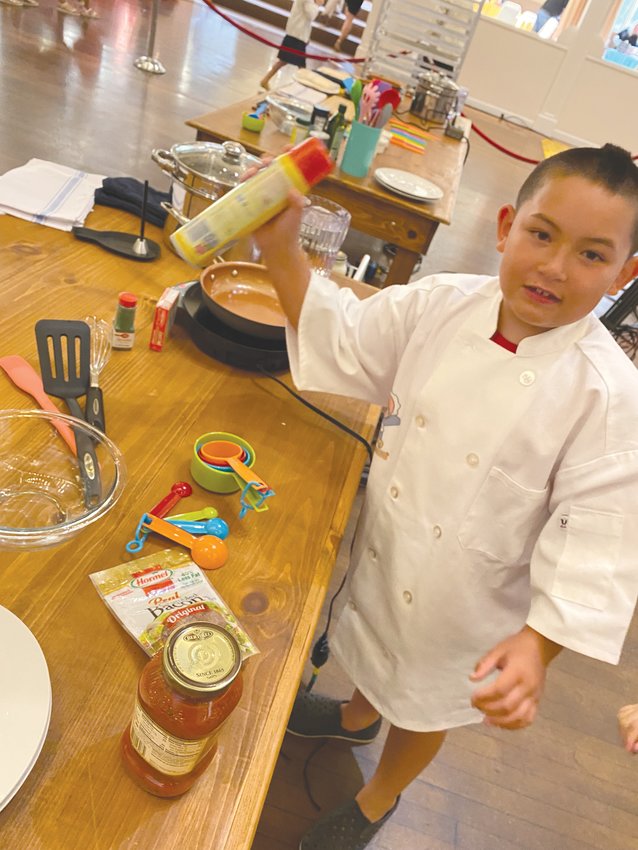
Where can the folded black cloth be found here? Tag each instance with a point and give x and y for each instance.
(127, 193)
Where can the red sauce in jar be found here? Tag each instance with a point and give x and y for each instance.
(185, 694)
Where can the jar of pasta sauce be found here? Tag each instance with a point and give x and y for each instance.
(185, 694)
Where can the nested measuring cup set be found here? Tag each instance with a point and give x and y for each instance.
(221, 463)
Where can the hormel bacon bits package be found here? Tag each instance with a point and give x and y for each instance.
(152, 595)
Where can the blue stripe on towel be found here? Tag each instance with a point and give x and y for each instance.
(60, 197)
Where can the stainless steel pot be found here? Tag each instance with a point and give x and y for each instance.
(200, 173)
(435, 98)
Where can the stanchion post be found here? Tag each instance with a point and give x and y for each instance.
(148, 62)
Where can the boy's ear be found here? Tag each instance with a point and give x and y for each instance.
(628, 272)
(504, 220)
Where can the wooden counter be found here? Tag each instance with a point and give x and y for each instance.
(78, 794)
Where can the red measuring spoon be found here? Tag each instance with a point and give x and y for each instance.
(165, 505)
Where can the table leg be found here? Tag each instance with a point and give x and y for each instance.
(401, 266)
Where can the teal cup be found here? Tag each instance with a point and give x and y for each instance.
(360, 149)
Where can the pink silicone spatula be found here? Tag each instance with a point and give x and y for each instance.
(26, 378)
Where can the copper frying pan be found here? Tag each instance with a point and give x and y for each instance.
(242, 296)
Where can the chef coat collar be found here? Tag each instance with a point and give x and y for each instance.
(557, 339)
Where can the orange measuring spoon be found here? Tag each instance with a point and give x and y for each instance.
(208, 552)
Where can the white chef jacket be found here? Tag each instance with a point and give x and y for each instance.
(504, 491)
(302, 15)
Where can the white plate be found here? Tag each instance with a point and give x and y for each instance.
(316, 81)
(25, 703)
(407, 184)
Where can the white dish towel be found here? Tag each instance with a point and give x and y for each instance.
(48, 193)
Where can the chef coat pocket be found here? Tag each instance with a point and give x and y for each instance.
(504, 519)
(585, 568)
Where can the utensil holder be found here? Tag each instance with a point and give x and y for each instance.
(360, 149)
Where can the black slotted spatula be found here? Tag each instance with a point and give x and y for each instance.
(64, 350)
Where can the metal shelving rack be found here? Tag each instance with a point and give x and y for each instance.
(413, 35)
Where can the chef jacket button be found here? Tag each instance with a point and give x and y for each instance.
(394, 492)
(437, 531)
(352, 604)
(372, 553)
(472, 459)
(407, 596)
(420, 421)
(527, 378)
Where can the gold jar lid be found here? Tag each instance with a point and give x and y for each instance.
(201, 658)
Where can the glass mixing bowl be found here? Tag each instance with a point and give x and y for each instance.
(41, 492)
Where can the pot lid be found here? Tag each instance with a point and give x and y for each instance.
(224, 164)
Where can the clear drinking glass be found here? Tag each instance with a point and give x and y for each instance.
(324, 226)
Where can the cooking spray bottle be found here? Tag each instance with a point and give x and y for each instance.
(249, 205)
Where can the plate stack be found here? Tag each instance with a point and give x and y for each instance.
(408, 185)
(25, 703)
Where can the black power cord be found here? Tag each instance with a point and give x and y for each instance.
(321, 649)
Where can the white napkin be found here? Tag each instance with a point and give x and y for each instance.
(48, 193)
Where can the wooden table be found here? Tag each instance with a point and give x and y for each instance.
(275, 580)
(375, 211)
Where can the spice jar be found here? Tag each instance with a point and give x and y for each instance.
(124, 321)
(185, 693)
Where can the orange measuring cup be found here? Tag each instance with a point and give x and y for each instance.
(208, 552)
(225, 453)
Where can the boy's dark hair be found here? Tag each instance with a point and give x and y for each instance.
(610, 167)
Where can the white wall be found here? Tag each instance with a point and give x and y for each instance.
(510, 71)
(562, 90)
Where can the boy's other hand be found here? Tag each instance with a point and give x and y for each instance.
(286, 261)
(628, 724)
(511, 700)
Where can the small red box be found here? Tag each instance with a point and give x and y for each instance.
(163, 319)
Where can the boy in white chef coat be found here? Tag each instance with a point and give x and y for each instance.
(495, 529)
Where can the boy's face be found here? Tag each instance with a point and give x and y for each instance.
(562, 250)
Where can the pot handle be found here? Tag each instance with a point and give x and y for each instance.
(177, 215)
(165, 160)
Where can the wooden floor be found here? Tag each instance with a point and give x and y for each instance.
(69, 92)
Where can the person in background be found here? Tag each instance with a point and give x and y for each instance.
(352, 9)
(497, 525)
(549, 9)
(628, 724)
(81, 8)
(626, 36)
(298, 30)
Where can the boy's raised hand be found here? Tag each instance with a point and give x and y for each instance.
(511, 700)
(281, 253)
